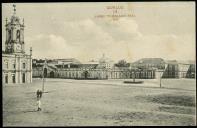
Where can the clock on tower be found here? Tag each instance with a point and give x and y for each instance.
(18, 47)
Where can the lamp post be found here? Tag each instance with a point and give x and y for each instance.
(44, 73)
(134, 76)
(30, 64)
(160, 79)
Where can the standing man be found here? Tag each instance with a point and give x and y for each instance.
(39, 104)
(39, 95)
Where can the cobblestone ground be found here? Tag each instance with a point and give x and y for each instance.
(101, 103)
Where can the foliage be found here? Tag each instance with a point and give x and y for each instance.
(122, 63)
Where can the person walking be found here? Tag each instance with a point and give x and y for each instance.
(39, 95)
(39, 104)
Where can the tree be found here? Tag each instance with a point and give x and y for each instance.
(122, 63)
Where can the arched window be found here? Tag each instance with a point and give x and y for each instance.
(13, 78)
(18, 35)
(23, 65)
(9, 35)
(6, 65)
(6, 78)
(14, 65)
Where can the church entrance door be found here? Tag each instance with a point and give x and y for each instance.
(23, 78)
(13, 79)
(6, 79)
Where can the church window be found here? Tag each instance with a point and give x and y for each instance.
(6, 65)
(18, 35)
(23, 65)
(9, 35)
(14, 66)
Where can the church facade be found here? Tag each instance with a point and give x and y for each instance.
(16, 64)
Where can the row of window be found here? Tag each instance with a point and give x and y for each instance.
(14, 65)
(137, 75)
(14, 78)
(113, 74)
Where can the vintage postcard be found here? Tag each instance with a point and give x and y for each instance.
(99, 64)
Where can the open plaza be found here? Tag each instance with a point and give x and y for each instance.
(68, 102)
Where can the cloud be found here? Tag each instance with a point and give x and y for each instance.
(86, 32)
(94, 38)
(88, 39)
(51, 46)
(65, 32)
(164, 46)
(123, 29)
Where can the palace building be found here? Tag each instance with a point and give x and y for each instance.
(104, 68)
(170, 68)
(16, 64)
(145, 68)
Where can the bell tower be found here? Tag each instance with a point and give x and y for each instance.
(14, 34)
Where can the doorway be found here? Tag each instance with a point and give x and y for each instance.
(23, 79)
(52, 74)
(45, 72)
(13, 79)
(6, 79)
(86, 74)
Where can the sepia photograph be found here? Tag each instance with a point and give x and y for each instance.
(99, 64)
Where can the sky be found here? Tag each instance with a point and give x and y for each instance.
(75, 30)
